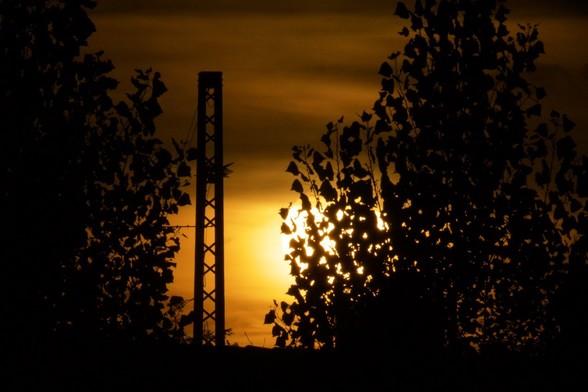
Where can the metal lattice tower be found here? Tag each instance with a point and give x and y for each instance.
(209, 287)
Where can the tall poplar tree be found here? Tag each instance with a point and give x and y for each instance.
(86, 186)
(456, 209)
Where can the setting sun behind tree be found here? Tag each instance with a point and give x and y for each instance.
(481, 193)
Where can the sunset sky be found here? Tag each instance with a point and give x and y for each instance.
(289, 67)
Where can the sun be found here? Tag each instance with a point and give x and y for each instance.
(294, 227)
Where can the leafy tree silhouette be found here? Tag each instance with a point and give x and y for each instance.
(455, 209)
(87, 188)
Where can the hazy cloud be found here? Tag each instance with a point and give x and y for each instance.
(285, 77)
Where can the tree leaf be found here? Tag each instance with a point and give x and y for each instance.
(183, 170)
(277, 330)
(306, 206)
(385, 70)
(293, 168)
(158, 87)
(568, 124)
(541, 93)
(327, 191)
(184, 199)
(270, 317)
(297, 186)
(388, 85)
(575, 205)
(284, 306)
(175, 300)
(542, 178)
(534, 110)
(288, 318)
(365, 117)
(326, 139)
(401, 11)
(542, 130)
(284, 213)
(285, 229)
(565, 148)
(187, 319)
(502, 30)
(394, 55)
(191, 154)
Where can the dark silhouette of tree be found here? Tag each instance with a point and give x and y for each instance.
(87, 188)
(456, 209)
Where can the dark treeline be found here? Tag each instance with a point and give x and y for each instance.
(167, 367)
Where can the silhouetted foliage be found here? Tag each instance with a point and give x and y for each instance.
(87, 188)
(456, 209)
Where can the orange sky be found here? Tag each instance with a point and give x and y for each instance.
(289, 67)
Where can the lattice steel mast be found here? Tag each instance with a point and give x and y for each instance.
(209, 286)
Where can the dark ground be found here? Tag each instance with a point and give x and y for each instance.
(114, 367)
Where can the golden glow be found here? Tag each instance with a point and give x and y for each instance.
(297, 219)
(255, 271)
(281, 90)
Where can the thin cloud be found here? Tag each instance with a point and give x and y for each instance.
(285, 77)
